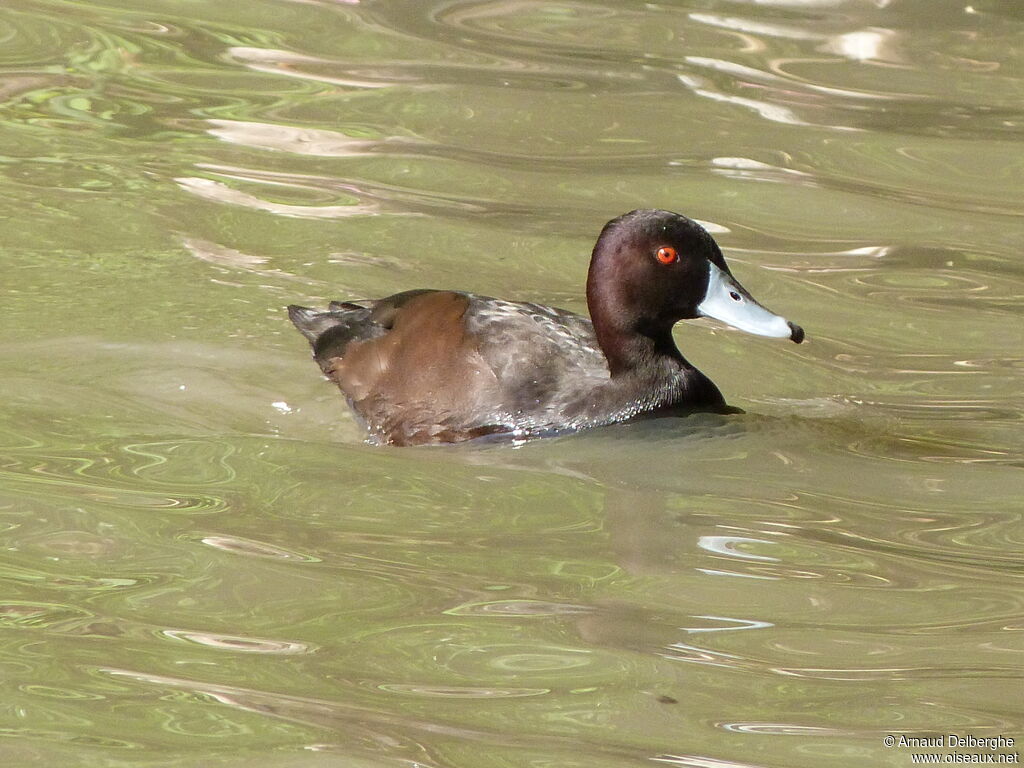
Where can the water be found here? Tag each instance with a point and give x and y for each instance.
(204, 565)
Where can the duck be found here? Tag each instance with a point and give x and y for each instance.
(430, 366)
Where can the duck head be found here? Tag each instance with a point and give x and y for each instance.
(652, 268)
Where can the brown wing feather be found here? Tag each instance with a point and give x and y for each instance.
(424, 380)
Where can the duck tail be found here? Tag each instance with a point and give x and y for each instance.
(330, 331)
(311, 322)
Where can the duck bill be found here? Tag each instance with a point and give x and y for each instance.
(726, 300)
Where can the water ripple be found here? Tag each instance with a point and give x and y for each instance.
(361, 198)
(518, 608)
(250, 548)
(239, 644)
(462, 692)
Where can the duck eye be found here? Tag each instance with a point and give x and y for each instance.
(667, 255)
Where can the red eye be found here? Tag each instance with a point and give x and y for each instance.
(667, 255)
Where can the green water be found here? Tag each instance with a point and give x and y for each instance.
(204, 565)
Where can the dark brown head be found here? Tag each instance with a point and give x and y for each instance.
(652, 268)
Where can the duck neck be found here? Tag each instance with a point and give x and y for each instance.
(635, 350)
(629, 341)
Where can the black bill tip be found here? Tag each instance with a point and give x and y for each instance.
(797, 334)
